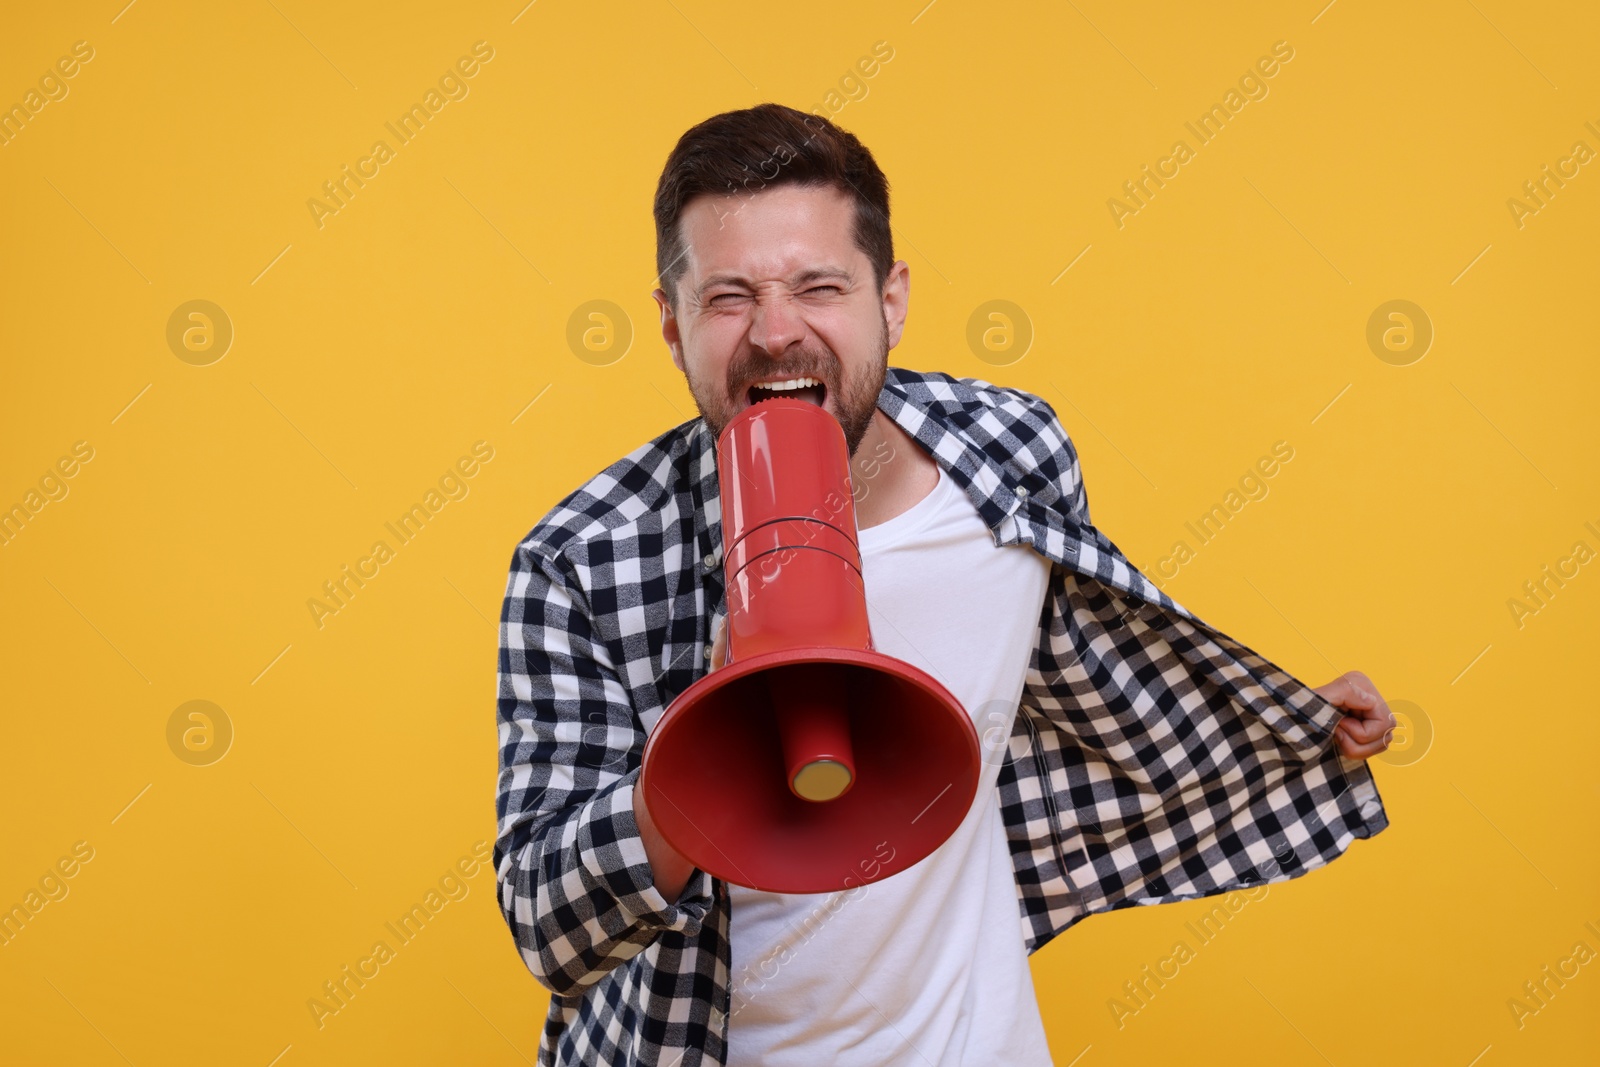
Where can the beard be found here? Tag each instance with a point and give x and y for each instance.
(853, 400)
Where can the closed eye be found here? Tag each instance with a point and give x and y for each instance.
(727, 299)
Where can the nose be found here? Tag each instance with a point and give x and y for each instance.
(776, 323)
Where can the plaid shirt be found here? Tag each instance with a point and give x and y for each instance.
(1153, 759)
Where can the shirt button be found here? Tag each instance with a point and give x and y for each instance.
(708, 652)
(710, 561)
(1022, 490)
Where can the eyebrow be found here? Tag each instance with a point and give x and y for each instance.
(810, 274)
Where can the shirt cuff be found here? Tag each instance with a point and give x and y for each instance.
(612, 854)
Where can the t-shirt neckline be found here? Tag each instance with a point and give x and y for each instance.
(909, 521)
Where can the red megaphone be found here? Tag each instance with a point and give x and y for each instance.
(808, 763)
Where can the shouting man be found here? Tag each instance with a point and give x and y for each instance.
(1132, 753)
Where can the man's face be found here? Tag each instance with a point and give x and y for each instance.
(775, 289)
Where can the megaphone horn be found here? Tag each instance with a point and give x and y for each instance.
(809, 762)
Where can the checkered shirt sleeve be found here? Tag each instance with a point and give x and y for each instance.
(575, 884)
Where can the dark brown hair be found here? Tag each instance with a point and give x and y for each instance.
(743, 152)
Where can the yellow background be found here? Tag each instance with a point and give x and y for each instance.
(372, 352)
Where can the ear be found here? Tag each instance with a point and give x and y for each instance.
(669, 328)
(896, 296)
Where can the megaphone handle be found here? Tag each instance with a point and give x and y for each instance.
(809, 703)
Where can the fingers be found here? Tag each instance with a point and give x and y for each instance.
(719, 644)
(1350, 748)
(1367, 727)
(1380, 719)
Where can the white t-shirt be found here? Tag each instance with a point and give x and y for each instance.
(926, 968)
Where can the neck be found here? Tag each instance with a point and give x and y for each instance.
(890, 472)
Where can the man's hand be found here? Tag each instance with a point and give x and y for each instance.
(1368, 726)
(670, 869)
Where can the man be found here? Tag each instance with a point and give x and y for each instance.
(1133, 754)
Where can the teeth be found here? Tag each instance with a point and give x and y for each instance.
(785, 386)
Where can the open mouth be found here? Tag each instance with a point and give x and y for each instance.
(810, 390)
